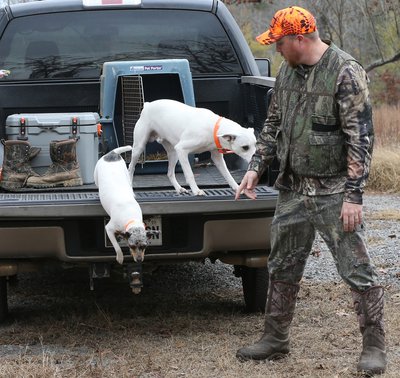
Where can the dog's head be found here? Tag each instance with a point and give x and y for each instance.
(241, 141)
(137, 237)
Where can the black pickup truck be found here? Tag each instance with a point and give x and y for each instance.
(51, 59)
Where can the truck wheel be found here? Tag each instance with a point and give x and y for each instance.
(3, 299)
(255, 287)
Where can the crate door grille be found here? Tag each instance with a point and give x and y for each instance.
(132, 105)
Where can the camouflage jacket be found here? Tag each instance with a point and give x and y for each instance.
(319, 126)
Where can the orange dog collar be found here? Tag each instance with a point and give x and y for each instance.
(216, 139)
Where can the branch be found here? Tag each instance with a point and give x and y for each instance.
(374, 34)
(382, 62)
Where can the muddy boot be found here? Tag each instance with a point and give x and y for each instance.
(16, 164)
(274, 343)
(34, 152)
(64, 170)
(369, 309)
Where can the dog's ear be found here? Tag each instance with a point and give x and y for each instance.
(228, 137)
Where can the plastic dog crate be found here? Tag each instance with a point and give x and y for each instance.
(125, 86)
(42, 128)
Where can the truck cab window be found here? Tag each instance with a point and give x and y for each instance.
(76, 44)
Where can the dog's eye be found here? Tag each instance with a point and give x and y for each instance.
(245, 148)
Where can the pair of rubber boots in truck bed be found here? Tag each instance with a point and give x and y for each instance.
(17, 172)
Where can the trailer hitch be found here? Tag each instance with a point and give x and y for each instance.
(134, 273)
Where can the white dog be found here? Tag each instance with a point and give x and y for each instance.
(118, 200)
(183, 129)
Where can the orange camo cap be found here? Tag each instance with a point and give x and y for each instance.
(289, 21)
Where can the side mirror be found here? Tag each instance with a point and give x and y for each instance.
(264, 65)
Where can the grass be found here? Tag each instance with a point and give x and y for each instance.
(387, 126)
(385, 168)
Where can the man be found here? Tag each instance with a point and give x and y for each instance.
(319, 126)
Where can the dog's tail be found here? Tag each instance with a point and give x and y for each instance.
(120, 150)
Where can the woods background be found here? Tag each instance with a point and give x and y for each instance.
(367, 29)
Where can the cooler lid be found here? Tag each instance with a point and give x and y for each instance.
(53, 119)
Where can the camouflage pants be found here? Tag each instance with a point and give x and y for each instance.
(297, 219)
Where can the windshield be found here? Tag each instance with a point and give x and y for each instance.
(76, 44)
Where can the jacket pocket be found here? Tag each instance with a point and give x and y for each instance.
(327, 154)
(324, 123)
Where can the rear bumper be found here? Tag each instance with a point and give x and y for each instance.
(220, 239)
(236, 232)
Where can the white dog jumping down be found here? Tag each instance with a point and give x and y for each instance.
(183, 129)
(118, 200)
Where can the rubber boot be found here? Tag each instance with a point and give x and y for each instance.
(368, 306)
(16, 164)
(274, 343)
(64, 170)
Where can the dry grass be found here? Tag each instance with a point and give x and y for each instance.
(385, 171)
(63, 330)
(392, 215)
(387, 126)
(385, 168)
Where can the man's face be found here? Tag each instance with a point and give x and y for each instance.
(289, 48)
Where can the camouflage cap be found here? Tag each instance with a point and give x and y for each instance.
(289, 21)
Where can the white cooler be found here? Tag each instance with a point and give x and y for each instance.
(41, 128)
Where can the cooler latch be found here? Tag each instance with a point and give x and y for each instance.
(22, 129)
(74, 123)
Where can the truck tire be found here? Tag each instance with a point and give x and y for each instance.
(255, 287)
(3, 299)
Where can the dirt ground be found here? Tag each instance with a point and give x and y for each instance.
(181, 325)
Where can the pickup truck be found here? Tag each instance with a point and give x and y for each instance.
(70, 41)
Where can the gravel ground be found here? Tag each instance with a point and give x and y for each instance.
(383, 240)
(383, 237)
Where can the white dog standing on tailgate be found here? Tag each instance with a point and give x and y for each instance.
(118, 200)
(183, 129)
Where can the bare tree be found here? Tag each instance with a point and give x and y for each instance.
(383, 17)
(368, 29)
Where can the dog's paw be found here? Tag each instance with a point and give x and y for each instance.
(200, 193)
(120, 258)
(182, 191)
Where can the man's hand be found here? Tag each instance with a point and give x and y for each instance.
(351, 215)
(247, 186)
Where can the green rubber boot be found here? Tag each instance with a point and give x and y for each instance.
(369, 309)
(274, 343)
